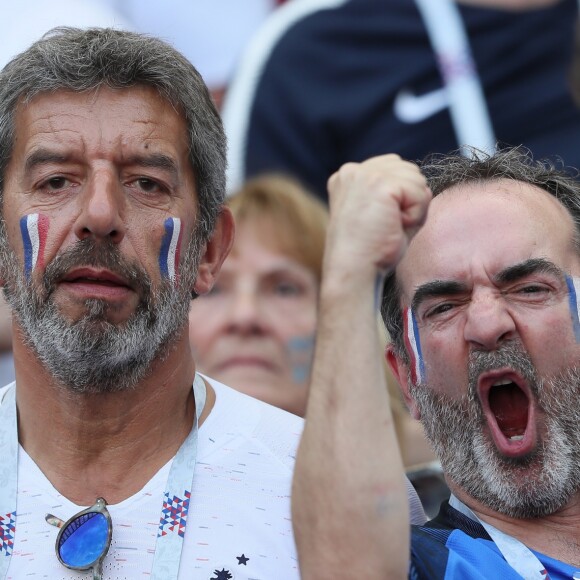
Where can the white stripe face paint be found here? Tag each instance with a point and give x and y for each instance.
(414, 347)
(172, 262)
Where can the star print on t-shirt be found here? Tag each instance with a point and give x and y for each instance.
(222, 574)
(242, 560)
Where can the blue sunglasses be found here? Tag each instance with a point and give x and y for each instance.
(84, 539)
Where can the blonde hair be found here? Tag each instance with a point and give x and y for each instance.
(280, 209)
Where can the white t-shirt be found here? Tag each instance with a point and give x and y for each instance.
(239, 517)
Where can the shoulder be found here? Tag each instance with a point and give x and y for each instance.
(453, 546)
(263, 431)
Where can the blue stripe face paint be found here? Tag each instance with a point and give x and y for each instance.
(573, 289)
(301, 353)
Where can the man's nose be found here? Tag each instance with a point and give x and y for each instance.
(102, 208)
(489, 321)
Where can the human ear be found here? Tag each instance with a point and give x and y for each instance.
(215, 252)
(400, 370)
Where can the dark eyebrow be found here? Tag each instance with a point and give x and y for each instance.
(42, 157)
(507, 275)
(155, 160)
(434, 289)
(526, 268)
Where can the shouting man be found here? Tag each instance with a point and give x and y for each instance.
(481, 303)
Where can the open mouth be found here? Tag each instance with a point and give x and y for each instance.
(509, 411)
(510, 406)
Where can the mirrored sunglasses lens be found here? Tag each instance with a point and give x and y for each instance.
(84, 540)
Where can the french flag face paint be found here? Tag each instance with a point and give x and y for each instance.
(413, 346)
(34, 228)
(573, 293)
(170, 248)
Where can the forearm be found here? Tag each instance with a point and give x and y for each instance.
(349, 497)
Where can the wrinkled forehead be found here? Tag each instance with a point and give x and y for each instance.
(474, 231)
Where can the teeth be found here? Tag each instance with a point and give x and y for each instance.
(516, 437)
(502, 382)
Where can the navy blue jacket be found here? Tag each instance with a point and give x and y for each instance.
(326, 84)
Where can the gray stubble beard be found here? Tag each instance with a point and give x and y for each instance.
(92, 355)
(528, 487)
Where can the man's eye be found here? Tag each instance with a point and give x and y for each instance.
(148, 185)
(55, 183)
(532, 289)
(439, 309)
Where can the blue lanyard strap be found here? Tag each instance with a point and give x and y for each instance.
(516, 554)
(176, 498)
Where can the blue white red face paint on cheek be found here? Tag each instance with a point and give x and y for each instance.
(34, 229)
(573, 290)
(413, 344)
(170, 249)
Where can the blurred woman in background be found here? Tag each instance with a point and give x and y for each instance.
(255, 331)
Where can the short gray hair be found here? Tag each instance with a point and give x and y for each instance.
(81, 60)
(446, 171)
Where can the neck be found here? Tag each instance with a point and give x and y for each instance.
(107, 444)
(556, 535)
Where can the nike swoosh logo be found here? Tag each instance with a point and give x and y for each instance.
(411, 108)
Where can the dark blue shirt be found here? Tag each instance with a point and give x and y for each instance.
(326, 88)
(452, 546)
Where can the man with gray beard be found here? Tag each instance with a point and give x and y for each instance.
(112, 171)
(480, 299)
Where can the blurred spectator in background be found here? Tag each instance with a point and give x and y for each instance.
(330, 81)
(256, 328)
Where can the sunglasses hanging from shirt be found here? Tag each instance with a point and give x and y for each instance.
(85, 539)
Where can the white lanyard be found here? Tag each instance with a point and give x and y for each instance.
(176, 498)
(8, 477)
(467, 104)
(516, 554)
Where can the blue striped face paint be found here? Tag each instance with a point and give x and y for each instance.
(301, 353)
(170, 249)
(413, 344)
(34, 229)
(573, 289)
